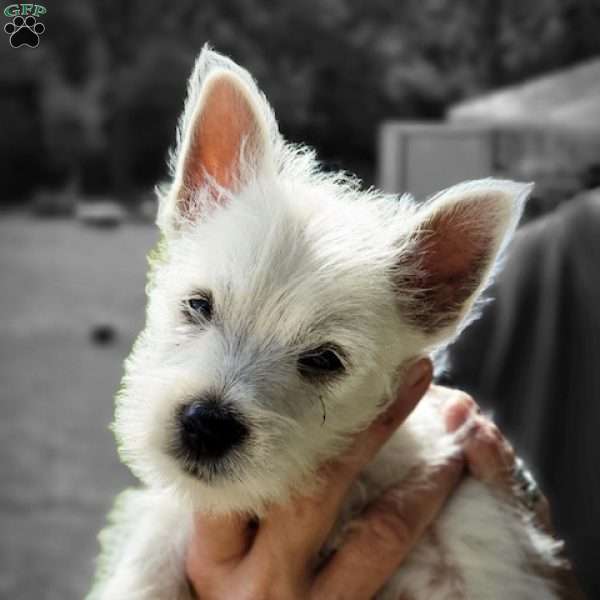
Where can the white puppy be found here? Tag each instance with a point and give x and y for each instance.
(283, 304)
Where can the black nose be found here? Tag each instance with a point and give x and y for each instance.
(209, 429)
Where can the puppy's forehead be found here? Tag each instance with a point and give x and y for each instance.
(292, 264)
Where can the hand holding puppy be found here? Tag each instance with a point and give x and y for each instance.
(235, 557)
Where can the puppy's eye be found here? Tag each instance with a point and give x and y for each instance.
(199, 307)
(321, 361)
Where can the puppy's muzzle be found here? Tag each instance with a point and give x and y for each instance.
(209, 430)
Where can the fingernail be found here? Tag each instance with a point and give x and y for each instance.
(418, 371)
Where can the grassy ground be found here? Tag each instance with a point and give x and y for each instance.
(58, 467)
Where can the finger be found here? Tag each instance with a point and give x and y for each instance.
(367, 443)
(313, 517)
(379, 542)
(458, 407)
(490, 457)
(216, 543)
(220, 539)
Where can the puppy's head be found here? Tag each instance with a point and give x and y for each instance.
(284, 302)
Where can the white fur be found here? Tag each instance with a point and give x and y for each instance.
(295, 259)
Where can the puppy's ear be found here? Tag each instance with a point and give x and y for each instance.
(450, 249)
(224, 140)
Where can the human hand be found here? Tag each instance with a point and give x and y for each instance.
(232, 557)
(491, 459)
(489, 455)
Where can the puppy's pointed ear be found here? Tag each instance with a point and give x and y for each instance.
(449, 252)
(224, 140)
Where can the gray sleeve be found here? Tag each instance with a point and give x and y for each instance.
(533, 358)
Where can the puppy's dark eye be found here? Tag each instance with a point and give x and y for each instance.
(199, 307)
(321, 361)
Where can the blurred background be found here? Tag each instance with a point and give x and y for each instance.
(412, 96)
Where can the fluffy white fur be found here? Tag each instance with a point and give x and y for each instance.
(294, 258)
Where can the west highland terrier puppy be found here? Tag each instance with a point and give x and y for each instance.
(283, 303)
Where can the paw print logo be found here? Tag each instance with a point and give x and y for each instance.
(24, 32)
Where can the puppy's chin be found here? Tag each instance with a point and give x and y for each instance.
(230, 488)
(209, 474)
(212, 473)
